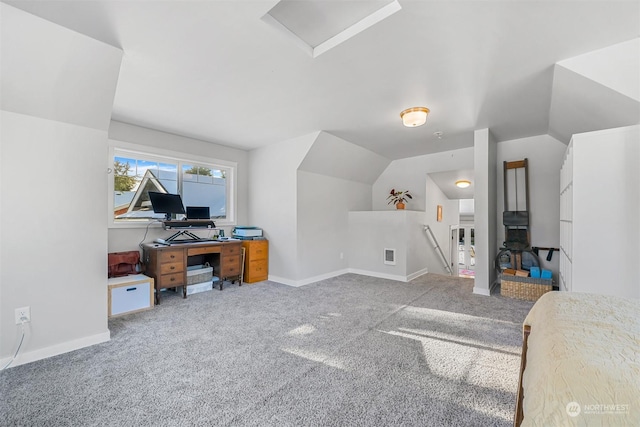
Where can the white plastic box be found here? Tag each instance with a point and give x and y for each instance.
(129, 294)
(199, 287)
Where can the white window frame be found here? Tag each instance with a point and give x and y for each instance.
(121, 148)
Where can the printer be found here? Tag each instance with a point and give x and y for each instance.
(247, 233)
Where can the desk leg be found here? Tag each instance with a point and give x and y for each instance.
(221, 282)
(184, 291)
(157, 296)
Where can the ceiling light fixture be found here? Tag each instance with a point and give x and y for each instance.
(463, 183)
(415, 116)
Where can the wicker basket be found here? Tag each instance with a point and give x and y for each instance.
(526, 288)
(199, 274)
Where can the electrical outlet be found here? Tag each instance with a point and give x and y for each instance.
(23, 315)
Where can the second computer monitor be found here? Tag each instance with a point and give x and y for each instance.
(198, 212)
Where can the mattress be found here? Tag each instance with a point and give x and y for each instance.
(582, 365)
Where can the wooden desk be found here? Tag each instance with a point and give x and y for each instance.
(168, 264)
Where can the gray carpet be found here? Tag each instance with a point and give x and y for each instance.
(351, 350)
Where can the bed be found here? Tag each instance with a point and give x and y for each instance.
(580, 362)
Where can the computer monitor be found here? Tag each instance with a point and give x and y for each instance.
(198, 212)
(166, 203)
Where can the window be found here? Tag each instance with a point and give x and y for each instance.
(135, 174)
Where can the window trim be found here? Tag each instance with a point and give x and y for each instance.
(152, 153)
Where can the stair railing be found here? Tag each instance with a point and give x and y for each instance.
(437, 247)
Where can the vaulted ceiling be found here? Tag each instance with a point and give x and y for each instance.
(222, 72)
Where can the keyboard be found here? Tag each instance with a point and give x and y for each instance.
(190, 241)
(193, 223)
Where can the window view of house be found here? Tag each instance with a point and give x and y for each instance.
(134, 178)
(205, 186)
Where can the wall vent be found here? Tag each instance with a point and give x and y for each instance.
(389, 256)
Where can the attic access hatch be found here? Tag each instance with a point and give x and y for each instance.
(319, 25)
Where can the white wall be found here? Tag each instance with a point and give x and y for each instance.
(409, 174)
(616, 67)
(450, 216)
(334, 178)
(54, 73)
(301, 191)
(58, 91)
(307, 231)
(467, 211)
(273, 201)
(545, 155)
(324, 203)
(485, 210)
(373, 231)
(334, 156)
(126, 238)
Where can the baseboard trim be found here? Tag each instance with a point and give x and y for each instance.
(482, 291)
(308, 281)
(395, 277)
(417, 274)
(54, 350)
(282, 280)
(314, 279)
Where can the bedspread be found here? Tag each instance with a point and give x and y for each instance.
(582, 365)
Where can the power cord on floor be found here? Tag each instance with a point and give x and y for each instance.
(17, 350)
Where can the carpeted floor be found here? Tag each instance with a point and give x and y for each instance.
(351, 350)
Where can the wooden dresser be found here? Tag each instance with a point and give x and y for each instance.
(256, 261)
(168, 264)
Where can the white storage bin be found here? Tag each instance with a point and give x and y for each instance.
(129, 294)
(201, 287)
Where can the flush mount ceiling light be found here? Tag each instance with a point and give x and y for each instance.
(415, 116)
(463, 183)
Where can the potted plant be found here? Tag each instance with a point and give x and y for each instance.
(398, 198)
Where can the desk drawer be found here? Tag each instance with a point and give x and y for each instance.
(171, 256)
(171, 267)
(230, 266)
(233, 249)
(203, 250)
(170, 280)
(256, 271)
(258, 249)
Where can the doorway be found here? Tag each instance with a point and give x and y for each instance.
(462, 251)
